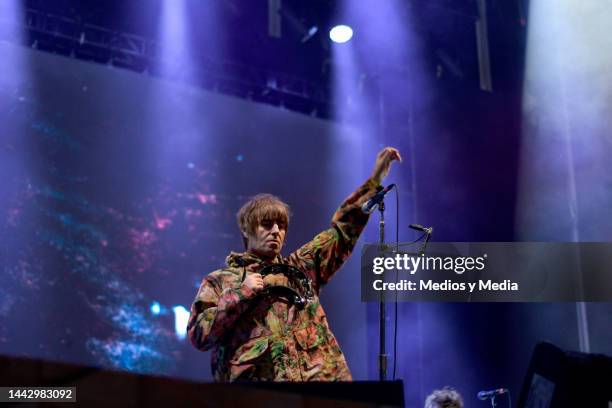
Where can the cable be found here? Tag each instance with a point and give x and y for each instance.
(396, 278)
(395, 325)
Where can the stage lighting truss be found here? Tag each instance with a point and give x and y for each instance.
(70, 37)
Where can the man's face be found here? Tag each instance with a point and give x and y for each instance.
(267, 240)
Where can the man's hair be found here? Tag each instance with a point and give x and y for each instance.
(447, 397)
(262, 207)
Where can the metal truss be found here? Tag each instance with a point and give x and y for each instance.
(70, 37)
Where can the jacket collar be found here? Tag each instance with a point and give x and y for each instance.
(240, 259)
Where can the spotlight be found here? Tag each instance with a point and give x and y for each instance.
(155, 308)
(310, 33)
(181, 318)
(341, 33)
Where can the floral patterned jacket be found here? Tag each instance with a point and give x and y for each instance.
(256, 338)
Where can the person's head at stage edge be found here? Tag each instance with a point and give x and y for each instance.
(263, 223)
(447, 397)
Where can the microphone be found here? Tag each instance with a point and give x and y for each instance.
(484, 395)
(417, 227)
(369, 205)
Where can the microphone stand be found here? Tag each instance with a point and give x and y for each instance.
(382, 356)
(427, 237)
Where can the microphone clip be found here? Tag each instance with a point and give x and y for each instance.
(376, 200)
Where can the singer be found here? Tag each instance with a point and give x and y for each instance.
(265, 338)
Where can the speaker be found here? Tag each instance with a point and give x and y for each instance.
(560, 379)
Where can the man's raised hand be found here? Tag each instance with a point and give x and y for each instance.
(383, 163)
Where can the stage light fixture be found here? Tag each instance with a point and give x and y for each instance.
(181, 318)
(341, 33)
(155, 308)
(310, 33)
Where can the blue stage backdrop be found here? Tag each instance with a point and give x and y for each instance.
(119, 195)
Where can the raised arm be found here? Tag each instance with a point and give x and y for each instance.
(326, 253)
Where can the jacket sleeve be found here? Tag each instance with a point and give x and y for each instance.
(214, 312)
(326, 253)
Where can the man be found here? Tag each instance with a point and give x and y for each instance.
(447, 397)
(263, 338)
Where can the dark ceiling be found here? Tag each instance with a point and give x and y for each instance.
(124, 33)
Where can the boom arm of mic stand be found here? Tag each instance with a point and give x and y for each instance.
(427, 237)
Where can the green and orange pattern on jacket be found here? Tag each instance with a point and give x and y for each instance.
(263, 339)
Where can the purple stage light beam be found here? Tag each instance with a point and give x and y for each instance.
(12, 30)
(361, 90)
(566, 144)
(186, 33)
(567, 114)
(174, 45)
(15, 95)
(378, 75)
